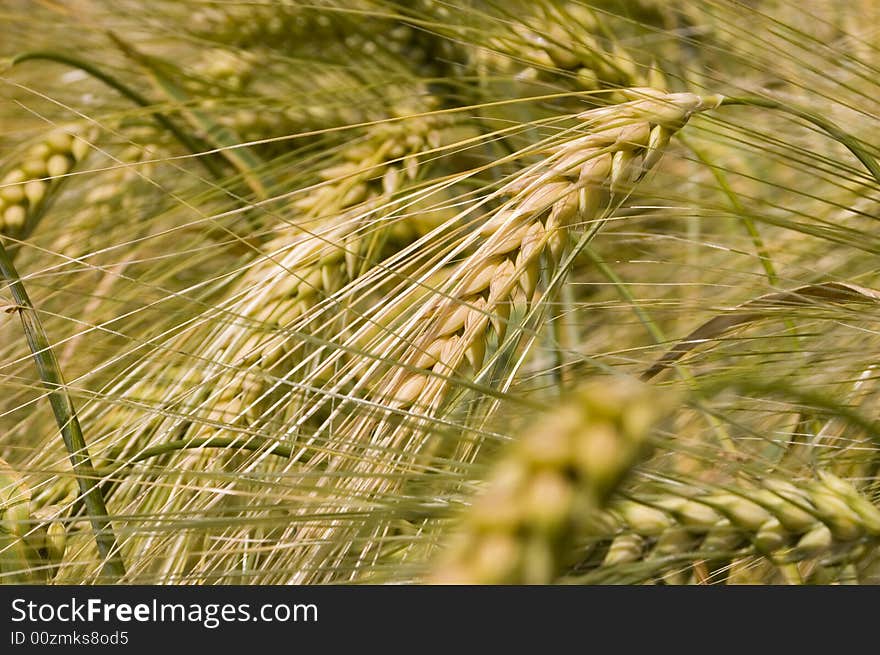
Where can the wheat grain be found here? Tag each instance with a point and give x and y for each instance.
(562, 43)
(240, 392)
(275, 24)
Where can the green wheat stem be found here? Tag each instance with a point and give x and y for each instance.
(733, 199)
(65, 417)
(163, 121)
(833, 130)
(659, 337)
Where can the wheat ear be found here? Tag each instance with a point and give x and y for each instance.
(823, 521)
(450, 328)
(25, 189)
(341, 218)
(562, 43)
(545, 492)
(531, 233)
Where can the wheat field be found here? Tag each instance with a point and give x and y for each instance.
(439, 291)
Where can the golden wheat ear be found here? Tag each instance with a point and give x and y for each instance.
(448, 330)
(530, 233)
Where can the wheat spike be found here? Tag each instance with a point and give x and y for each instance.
(545, 492)
(531, 232)
(449, 329)
(824, 521)
(561, 43)
(277, 297)
(27, 187)
(299, 273)
(31, 541)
